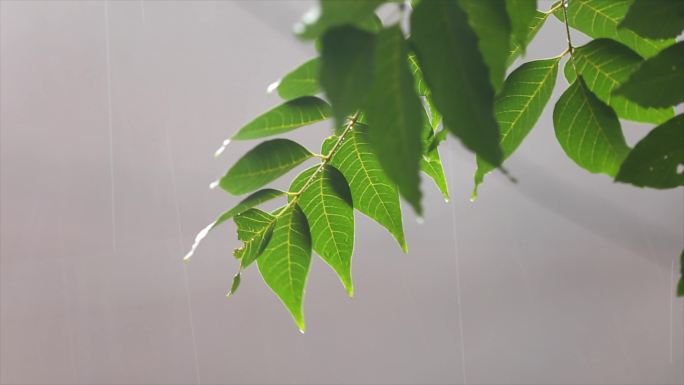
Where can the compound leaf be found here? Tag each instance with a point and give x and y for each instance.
(286, 117)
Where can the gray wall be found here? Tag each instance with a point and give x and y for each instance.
(565, 277)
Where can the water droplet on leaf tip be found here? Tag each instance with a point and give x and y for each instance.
(420, 220)
(213, 184)
(473, 198)
(301, 331)
(446, 200)
(222, 148)
(273, 86)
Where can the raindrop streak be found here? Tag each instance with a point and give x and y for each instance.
(671, 296)
(214, 184)
(198, 239)
(142, 11)
(220, 150)
(109, 125)
(273, 86)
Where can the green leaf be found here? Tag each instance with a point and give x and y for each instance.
(284, 264)
(372, 192)
(431, 162)
(588, 130)
(252, 200)
(262, 164)
(236, 283)
(421, 87)
(680, 286)
(654, 160)
(327, 204)
(286, 117)
(655, 19)
(600, 18)
(454, 70)
(302, 81)
(492, 26)
(394, 114)
(254, 229)
(605, 64)
(659, 81)
(346, 69)
(522, 14)
(519, 105)
(518, 48)
(333, 13)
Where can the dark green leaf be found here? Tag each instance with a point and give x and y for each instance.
(519, 105)
(588, 130)
(654, 160)
(236, 283)
(535, 25)
(454, 70)
(333, 13)
(254, 229)
(394, 114)
(302, 81)
(372, 192)
(346, 69)
(522, 14)
(492, 26)
(680, 286)
(284, 264)
(286, 117)
(262, 164)
(327, 204)
(659, 81)
(605, 64)
(655, 19)
(600, 18)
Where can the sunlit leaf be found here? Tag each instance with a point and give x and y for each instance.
(655, 160)
(302, 81)
(588, 130)
(601, 18)
(448, 53)
(327, 204)
(655, 19)
(286, 117)
(332, 13)
(346, 69)
(372, 192)
(492, 26)
(284, 264)
(262, 164)
(605, 64)
(535, 25)
(522, 14)
(519, 105)
(659, 81)
(394, 114)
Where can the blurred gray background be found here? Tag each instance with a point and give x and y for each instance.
(110, 115)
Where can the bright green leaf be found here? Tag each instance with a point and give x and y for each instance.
(394, 114)
(333, 13)
(655, 19)
(327, 204)
(421, 87)
(519, 105)
(431, 162)
(262, 164)
(372, 192)
(605, 64)
(284, 264)
(654, 160)
(522, 14)
(346, 69)
(286, 117)
(254, 229)
(492, 26)
(236, 283)
(454, 70)
(518, 48)
(588, 130)
(302, 81)
(659, 81)
(600, 18)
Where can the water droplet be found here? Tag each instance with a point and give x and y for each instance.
(222, 148)
(213, 184)
(680, 169)
(446, 200)
(473, 198)
(200, 236)
(650, 168)
(311, 16)
(665, 157)
(420, 220)
(273, 86)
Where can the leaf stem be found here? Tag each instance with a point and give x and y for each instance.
(571, 48)
(554, 8)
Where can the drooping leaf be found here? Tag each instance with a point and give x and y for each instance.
(653, 162)
(522, 14)
(254, 199)
(395, 113)
(286, 117)
(431, 162)
(346, 69)
(327, 204)
(588, 130)
(448, 53)
(237, 278)
(605, 64)
(659, 81)
(517, 48)
(372, 191)
(302, 81)
(262, 164)
(492, 26)
(519, 105)
(254, 229)
(421, 87)
(284, 264)
(655, 19)
(334, 13)
(600, 18)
